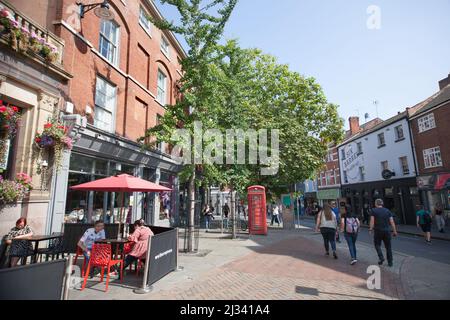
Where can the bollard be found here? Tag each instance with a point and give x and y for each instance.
(69, 261)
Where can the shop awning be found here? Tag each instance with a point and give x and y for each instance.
(121, 183)
(442, 181)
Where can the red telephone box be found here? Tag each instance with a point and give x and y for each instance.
(257, 215)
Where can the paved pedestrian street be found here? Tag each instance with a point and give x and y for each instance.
(290, 265)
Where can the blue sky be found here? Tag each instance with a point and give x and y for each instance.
(399, 65)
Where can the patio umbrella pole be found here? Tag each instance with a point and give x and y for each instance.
(120, 214)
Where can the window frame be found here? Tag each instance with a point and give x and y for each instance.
(359, 149)
(398, 129)
(426, 123)
(103, 108)
(381, 144)
(147, 26)
(404, 165)
(165, 49)
(158, 88)
(362, 173)
(432, 152)
(102, 36)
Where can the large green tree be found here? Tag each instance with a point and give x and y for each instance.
(201, 25)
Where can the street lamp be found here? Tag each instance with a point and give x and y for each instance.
(102, 10)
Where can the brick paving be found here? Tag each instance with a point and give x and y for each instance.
(293, 269)
(285, 265)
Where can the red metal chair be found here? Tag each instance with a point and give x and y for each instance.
(101, 256)
(80, 253)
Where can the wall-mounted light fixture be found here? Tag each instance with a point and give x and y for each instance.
(101, 10)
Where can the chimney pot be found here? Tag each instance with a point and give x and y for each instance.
(354, 125)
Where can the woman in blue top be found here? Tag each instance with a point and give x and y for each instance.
(424, 221)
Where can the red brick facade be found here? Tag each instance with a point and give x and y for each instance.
(330, 176)
(135, 74)
(437, 137)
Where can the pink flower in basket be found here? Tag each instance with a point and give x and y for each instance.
(68, 142)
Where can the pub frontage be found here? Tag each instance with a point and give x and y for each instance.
(96, 155)
(400, 196)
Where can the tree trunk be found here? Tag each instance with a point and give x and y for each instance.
(191, 212)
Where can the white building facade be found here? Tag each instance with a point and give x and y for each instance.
(379, 163)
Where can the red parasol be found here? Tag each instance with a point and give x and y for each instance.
(121, 183)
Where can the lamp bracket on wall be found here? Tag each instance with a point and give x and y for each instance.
(102, 10)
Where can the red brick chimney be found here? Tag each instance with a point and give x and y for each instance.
(444, 82)
(354, 125)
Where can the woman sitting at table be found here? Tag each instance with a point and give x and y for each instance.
(140, 239)
(90, 236)
(19, 249)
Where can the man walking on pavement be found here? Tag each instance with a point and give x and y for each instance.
(335, 210)
(380, 220)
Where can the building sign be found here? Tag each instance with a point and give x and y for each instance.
(329, 194)
(426, 182)
(352, 162)
(387, 174)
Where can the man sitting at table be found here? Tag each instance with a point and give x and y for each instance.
(90, 236)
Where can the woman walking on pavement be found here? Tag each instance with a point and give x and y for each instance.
(327, 225)
(350, 227)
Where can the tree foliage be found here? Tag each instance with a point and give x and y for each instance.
(227, 87)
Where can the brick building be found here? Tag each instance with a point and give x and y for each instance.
(35, 86)
(429, 123)
(124, 73)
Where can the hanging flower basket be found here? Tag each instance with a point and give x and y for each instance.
(12, 191)
(9, 122)
(54, 138)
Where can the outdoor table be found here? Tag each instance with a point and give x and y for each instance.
(38, 238)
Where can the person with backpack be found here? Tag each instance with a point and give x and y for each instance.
(424, 221)
(350, 227)
(327, 225)
(380, 220)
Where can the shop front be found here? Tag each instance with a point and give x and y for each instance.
(93, 158)
(326, 195)
(400, 196)
(435, 189)
(33, 88)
